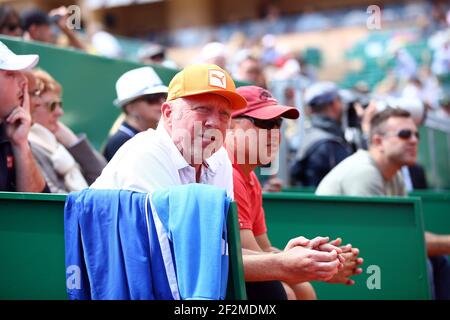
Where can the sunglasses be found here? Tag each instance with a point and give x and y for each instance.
(11, 27)
(154, 98)
(51, 106)
(406, 134)
(265, 124)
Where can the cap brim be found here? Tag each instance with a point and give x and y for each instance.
(273, 111)
(158, 89)
(20, 62)
(237, 101)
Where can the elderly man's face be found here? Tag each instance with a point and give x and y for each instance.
(198, 125)
(11, 91)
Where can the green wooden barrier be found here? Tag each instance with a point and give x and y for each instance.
(32, 248)
(388, 232)
(309, 190)
(436, 210)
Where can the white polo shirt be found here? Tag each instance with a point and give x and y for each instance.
(151, 161)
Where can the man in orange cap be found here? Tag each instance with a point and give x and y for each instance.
(186, 147)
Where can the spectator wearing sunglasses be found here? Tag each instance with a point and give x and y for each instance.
(140, 95)
(68, 162)
(10, 22)
(393, 141)
(262, 118)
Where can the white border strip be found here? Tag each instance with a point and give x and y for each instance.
(165, 249)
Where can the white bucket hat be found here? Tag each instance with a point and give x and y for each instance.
(13, 62)
(137, 83)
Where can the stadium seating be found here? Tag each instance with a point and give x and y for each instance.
(388, 232)
(32, 248)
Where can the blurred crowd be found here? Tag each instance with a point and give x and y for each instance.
(332, 113)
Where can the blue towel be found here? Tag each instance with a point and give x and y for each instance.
(128, 245)
(193, 217)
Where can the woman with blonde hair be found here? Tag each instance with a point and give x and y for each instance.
(68, 162)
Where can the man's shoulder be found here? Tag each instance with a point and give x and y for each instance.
(144, 149)
(143, 143)
(357, 165)
(117, 138)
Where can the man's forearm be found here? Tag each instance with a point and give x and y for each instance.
(437, 245)
(28, 174)
(260, 266)
(74, 41)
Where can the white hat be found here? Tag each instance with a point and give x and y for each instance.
(13, 62)
(137, 83)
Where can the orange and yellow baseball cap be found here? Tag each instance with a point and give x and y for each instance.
(205, 78)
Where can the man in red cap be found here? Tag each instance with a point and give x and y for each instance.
(253, 141)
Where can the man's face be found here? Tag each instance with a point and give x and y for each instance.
(338, 108)
(11, 91)
(11, 27)
(198, 125)
(251, 70)
(48, 112)
(34, 90)
(147, 110)
(253, 143)
(43, 33)
(398, 150)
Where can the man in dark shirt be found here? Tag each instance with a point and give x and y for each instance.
(18, 169)
(140, 94)
(324, 145)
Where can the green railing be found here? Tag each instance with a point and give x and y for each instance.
(388, 231)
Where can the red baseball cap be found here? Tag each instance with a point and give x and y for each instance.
(262, 105)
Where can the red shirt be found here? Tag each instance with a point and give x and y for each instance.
(248, 195)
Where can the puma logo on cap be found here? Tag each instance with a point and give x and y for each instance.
(217, 79)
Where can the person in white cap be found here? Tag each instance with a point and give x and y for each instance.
(140, 94)
(18, 169)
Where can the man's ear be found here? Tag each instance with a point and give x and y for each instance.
(376, 140)
(128, 109)
(166, 113)
(32, 30)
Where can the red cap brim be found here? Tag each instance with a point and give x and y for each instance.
(271, 112)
